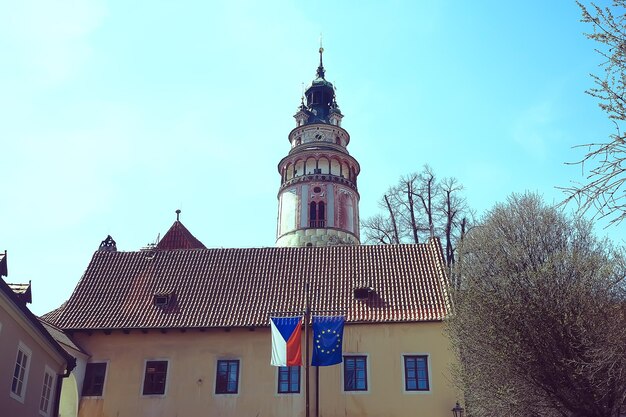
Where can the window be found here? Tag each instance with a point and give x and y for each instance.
(416, 373)
(93, 385)
(155, 377)
(355, 373)
(46, 392)
(20, 372)
(227, 378)
(317, 215)
(288, 379)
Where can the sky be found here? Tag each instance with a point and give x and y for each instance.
(113, 114)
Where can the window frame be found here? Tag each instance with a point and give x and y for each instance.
(50, 394)
(317, 214)
(104, 380)
(26, 351)
(145, 374)
(218, 389)
(288, 370)
(404, 357)
(355, 356)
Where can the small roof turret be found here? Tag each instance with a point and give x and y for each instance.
(178, 237)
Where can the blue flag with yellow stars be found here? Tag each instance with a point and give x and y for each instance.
(327, 339)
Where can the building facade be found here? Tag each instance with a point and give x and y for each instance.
(186, 331)
(179, 329)
(32, 365)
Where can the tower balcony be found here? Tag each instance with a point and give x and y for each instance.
(319, 177)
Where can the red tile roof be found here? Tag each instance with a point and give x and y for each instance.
(53, 316)
(242, 287)
(178, 237)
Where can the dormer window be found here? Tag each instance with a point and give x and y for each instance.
(162, 300)
(363, 293)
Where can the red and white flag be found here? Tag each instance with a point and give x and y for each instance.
(286, 341)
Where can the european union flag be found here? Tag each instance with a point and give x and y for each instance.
(327, 339)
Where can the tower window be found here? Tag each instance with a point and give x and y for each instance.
(317, 214)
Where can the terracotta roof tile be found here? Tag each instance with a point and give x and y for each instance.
(53, 316)
(242, 287)
(178, 237)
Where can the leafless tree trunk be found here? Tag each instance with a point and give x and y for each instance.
(452, 206)
(392, 216)
(409, 183)
(426, 192)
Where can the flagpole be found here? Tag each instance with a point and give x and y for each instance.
(317, 391)
(307, 315)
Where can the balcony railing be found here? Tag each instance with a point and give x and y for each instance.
(317, 223)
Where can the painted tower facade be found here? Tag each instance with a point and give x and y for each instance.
(318, 200)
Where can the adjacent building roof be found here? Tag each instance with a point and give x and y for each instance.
(53, 316)
(20, 306)
(203, 288)
(61, 338)
(178, 237)
(23, 291)
(3, 264)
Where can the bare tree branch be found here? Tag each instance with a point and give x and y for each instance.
(603, 192)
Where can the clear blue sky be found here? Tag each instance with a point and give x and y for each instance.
(113, 114)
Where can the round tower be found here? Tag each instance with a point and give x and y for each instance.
(318, 201)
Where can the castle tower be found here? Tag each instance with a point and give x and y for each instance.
(318, 201)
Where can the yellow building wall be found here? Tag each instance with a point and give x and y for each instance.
(192, 355)
(15, 328)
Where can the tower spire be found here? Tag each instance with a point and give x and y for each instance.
(320, 70)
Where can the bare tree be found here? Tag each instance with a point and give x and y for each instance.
(604, 191)
(453, 207)
(380, 230)
(539, 319)
(427, 189)
(419, 207)
(394, 223)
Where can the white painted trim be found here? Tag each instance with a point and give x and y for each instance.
(106, 377)
(367, 374)
(143, 378)
(48, 371)
(29, 353)
(430, 379)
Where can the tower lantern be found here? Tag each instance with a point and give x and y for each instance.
(318, 200)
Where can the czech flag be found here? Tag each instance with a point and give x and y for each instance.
(286, 341)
